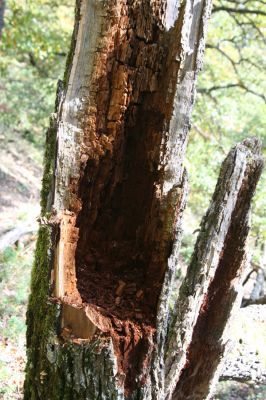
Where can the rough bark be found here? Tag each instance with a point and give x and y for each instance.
(114, 191)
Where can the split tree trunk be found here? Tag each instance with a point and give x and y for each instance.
(99, 319)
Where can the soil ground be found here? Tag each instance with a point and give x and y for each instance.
(20, 180)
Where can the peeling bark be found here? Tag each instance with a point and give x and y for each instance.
(114, 191)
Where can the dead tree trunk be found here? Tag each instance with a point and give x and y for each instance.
(114, 190)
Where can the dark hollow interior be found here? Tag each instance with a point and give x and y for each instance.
(116, 227)
(122, 249)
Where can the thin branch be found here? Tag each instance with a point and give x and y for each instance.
(250, 302)
(35, 64)
(223, 53)
(248, 276)
(203, 134)
(250, 24)
(255, 27)
(241, 60)
(238, 10)
(207, 136)
(12, 236)
(230, 86)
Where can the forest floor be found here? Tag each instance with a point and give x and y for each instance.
(20, 181)
(20, 178)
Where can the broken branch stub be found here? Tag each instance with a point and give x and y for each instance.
(210, 290)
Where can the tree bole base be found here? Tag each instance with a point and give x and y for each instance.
(111, 303)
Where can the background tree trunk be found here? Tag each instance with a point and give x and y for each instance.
(2, 12)
(114, 191)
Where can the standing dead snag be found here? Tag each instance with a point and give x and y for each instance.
(114, 191)
(197, 342)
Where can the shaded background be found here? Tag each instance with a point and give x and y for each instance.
(230, 106)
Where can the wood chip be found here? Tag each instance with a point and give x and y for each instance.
(66, 333)
(131, 285)
(120, 288)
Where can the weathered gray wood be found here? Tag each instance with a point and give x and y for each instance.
(214, 278)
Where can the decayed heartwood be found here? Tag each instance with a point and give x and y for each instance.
(114, 190)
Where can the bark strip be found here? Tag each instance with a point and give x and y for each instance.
(210, 290)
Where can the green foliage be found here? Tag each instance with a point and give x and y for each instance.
(37, 31)
(230, 106)
(187, 247)
(33, 49)
(32, 57)
(14, 292)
